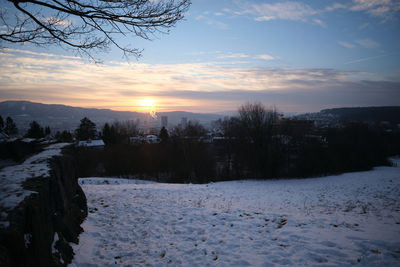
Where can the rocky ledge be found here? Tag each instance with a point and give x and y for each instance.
(41, 209)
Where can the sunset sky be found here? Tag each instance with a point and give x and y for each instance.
(299, 56)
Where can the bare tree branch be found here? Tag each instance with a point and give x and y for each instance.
(87, 26)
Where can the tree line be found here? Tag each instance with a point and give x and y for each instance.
(256, 144)
(8, 127)
(35, 130)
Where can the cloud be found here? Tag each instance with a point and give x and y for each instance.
(379, 8)
(202, 87)
(365, 59)
(264, 57)
(319, 22)
(9, 51)
(282, 10)
(346, 44)
(367, 43)
(385, 9)
(295, 11)
(57, 22)
(304, 99)
(213, 22)
(298, 11)
(335, 6)
(364, 26)
(234, 55)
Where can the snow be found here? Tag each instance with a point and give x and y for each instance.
(53, 245)
(27, 239)
(91, 143)
(12, 178)
(28, 140)
(54, 250)
(348, 219)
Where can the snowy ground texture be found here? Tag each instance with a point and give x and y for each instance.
(349, 219)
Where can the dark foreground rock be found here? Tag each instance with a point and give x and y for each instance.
(42, 225)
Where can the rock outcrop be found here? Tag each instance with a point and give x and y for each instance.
(37, 230)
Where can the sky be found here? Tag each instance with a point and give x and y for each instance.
(298, 56)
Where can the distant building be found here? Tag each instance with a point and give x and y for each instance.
(95, 144)
(164, 121)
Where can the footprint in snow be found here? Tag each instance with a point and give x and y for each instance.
(162, 255)
(282, 222)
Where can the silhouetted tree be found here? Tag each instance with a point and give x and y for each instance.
(163, 135)
(257, 122)
(227, 147)
(125, 129)
(11, 127)
(254, 130)
(47, 131)
(35, 130)
(86, 130)
(176, 132)
(1, 124)
(87, 25)
(64, 136)
(194, 129)
(119, 132)
(106, 134)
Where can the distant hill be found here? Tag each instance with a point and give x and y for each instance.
(58, 117)
(62, 117)
(366, 114)
(335, 117)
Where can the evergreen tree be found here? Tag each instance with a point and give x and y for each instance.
(119, 132)
(86, 130)
(35, 130)
(11, 128)
(106, 133)
(163, 135)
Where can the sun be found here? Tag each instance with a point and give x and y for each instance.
(148, 105)
(147, 102)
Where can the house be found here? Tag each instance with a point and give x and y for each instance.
(152, 139)
(93, 144)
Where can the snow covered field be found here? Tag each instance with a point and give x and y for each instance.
(349, 219)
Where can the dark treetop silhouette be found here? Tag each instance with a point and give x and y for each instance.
(87, 25)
